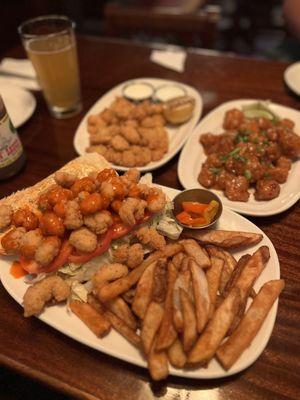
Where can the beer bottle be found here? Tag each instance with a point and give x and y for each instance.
(12, 157)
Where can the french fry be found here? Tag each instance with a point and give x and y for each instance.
(151, 324)
(123, 329)
(95, 321)
(183, 281)
(247, 278)
(158, 364)
(160, 281)
(228, 267)
(213, 276)
(129, 295)
(189, 321)
(201, 295)
(214, 333)
(121, 285)
(167, 333)
(95, 303)
(236, 273)
(229, 352)
(176, 355)
(194, 250)
(143, 293)
(119, 307)
(177, 259)
(224, 239)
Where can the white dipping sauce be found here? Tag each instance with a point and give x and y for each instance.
(168, 92)
(138, 91)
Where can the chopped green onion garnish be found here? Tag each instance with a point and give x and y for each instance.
(247, 174)
(214, 170)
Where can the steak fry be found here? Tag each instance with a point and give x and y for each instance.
(216, 330)
(232, 349)
(224, 239)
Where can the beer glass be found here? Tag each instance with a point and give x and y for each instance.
(51, 46)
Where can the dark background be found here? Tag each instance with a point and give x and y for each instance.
(254, 28)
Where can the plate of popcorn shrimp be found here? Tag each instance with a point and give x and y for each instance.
(100, 258)
(140, 123)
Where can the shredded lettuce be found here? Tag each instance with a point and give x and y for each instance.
(70, 269)
(78, 292)
(165, 223)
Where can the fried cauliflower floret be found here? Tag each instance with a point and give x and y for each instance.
(130, 255)
(83, 240)
(113, 156)
(6, 213)
(153, 122)
(100, 138)
(156, 200)
(131, 134)
(128, 159)
(11, 241)
(99, 222)
(132, 210)
(119, 143)
(151, 237)
(30, 243)
(64, 179)
(37, 295)
(73, 218)
(47, 250)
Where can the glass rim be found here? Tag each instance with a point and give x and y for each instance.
(49, 17)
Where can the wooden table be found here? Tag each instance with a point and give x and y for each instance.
(31, 348)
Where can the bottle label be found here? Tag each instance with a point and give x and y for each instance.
(10, 144)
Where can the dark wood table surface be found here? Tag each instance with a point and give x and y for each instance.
(34, 355)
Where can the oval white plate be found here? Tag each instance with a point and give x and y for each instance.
(115, 345)
(291, 77)
(192, 156)
(177, 135)
(20, 103)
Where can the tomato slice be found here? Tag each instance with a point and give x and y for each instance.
(32, 267)
(101, 248)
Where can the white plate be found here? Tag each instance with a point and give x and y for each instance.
(116, 346)
(20, 103)
(192, 156)
(291, 77)
(177, 135)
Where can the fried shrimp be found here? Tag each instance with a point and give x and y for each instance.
(83, 240)
(73, 217)
(99, 222)
(36, 296)
(151, 237)
(130, 178)
(6, 213)
(30, 243)
(132, 210)
(156, 200)
(47, 250)
(64, 179)
(130, 255)
(11, 241)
